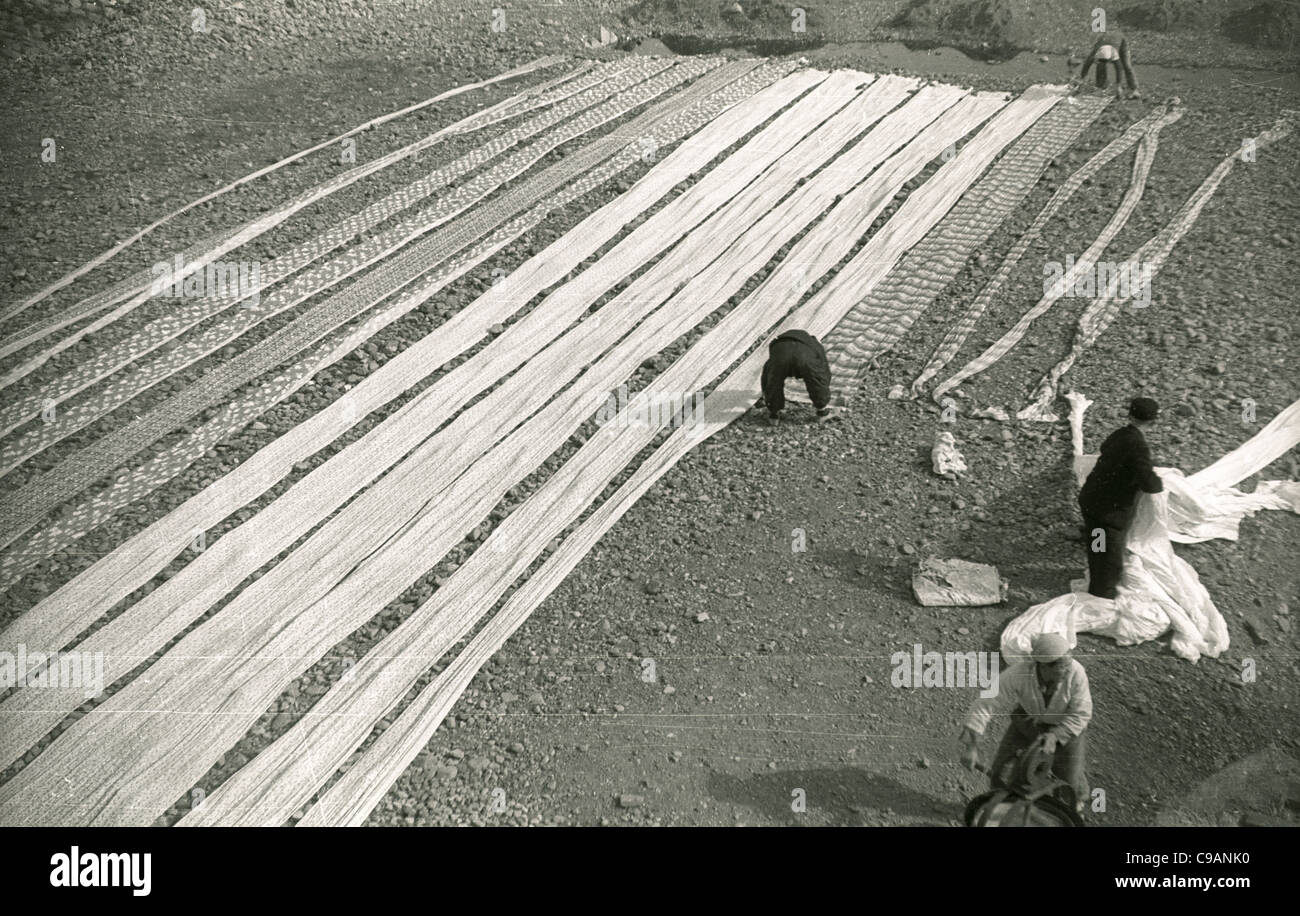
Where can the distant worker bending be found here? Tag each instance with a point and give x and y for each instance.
(1110, 54)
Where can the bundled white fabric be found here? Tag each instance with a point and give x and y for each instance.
(947, 461)
(1159, 590)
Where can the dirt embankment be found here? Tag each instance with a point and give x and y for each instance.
(1172, 31)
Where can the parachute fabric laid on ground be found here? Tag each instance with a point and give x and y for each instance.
(1159, 590)
(964, 325)
(350, 799)
(328, 555)
(158, 616)
(538, 64)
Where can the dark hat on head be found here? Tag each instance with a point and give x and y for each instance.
(1143, 409)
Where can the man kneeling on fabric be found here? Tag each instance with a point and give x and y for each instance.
(1050, 704)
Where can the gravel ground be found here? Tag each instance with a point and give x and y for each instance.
(772, 666)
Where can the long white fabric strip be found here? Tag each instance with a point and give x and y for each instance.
(538, 64)
(1142, 161)
(962, 328)
(291, 770)
(1145, 264)
(355, 794)
(1272, 442)
(367, 554)
(79, 603)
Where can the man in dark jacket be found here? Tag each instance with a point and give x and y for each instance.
(1110, 51)
(1110, 493)
(796, 354)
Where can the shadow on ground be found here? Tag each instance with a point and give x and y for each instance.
(849, 796)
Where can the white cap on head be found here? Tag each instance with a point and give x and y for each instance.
(1048, 647)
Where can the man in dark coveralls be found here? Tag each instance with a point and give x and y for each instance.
(796, 354)
(1110, 493)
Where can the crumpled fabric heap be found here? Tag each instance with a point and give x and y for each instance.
(945, 459)
(1159, 590)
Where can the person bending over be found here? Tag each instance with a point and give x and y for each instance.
(796, 354)
(1110, 54)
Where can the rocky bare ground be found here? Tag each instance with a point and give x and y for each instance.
(771, 666)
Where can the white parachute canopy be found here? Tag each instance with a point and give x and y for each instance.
(1158, 589)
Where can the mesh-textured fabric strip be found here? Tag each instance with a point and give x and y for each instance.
(198, 256)
(21, 509)
(962, 328)
(467, 326)
(540, 63)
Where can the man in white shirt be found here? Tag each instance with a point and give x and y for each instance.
(1049, 704)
